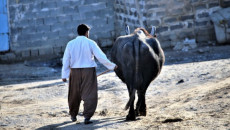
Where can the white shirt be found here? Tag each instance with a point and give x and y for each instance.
(80, 52)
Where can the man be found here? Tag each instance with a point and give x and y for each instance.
(79, 66)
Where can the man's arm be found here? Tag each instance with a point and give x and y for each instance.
(100, 55)
(66, 65)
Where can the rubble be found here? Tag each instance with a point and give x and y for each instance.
(185, 45)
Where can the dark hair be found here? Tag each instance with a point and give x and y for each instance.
(82, 29)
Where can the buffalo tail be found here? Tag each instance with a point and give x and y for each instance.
(131, 99)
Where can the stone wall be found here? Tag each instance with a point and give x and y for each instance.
(43, 27)
(175, 20)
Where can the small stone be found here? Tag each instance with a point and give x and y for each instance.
(178, 46)
(26, 63)
(225, 124)
(103, 112)
(185, 49)
(193, 109)
(201, 51)
(220, 97)
(181, 81)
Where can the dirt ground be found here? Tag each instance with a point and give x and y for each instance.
(192, 92)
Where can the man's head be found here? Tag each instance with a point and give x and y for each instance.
(83, 29)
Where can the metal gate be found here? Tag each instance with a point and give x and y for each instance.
(4, 30)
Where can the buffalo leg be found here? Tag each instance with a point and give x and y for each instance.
(140, 106)
(131, 116)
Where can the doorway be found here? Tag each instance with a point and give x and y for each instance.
(4, 28)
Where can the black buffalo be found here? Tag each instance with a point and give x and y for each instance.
(139, 58)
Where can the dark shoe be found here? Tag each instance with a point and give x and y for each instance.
(73, 118)
(87, 121)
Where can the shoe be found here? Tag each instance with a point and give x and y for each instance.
(73, 118)
(87, 121)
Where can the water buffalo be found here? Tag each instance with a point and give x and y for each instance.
(139, 58)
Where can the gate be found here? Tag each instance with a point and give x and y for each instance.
(4, 30)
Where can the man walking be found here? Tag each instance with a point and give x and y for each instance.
(79, 66)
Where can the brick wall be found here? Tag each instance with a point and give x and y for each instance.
(43, 27)
(175, 19)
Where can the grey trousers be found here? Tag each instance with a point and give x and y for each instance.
(83, 86)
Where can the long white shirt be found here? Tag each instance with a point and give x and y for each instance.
(80, 52)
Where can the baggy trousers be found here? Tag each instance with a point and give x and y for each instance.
(82, 86)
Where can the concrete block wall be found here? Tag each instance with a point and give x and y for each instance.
(43, 27)
(175, 19)
(126, 13)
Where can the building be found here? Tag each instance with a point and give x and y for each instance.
(41, 28)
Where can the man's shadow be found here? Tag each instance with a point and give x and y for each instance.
(68, 125)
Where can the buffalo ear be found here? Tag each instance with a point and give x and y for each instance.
(127, 30)
(153, 31)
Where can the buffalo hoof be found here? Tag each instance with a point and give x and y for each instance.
(142, 113)
(136, 113)
(130, 118)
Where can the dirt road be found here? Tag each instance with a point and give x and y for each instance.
(192, 92)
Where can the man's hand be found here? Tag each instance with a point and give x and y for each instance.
(64, 80)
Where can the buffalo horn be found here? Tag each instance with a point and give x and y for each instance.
(153, 31)
(127, 30)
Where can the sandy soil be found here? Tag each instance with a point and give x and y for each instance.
(192, 92)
